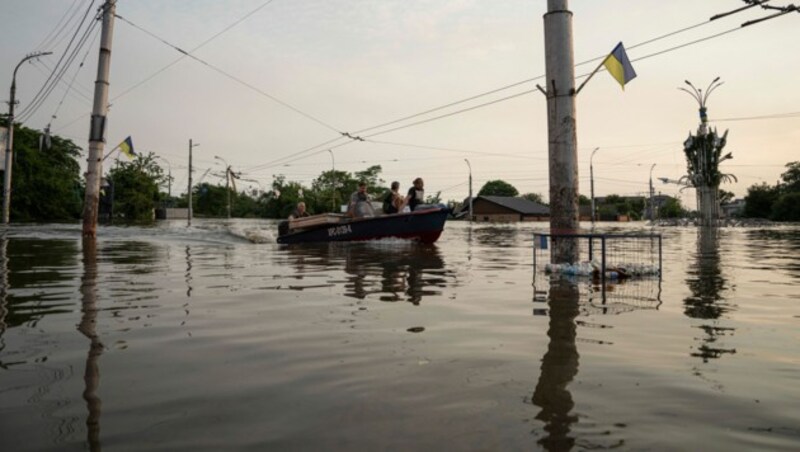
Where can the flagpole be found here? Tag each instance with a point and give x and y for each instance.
(111, 152)
(592, 74)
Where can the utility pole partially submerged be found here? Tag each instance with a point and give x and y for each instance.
(561, 128)
(189, 193)
(97, 129)
(470, 190)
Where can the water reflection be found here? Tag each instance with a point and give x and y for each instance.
(39, 279)
(88, 327)
(3, 287)
(707, 283)
(559, 368)
(774, 250)
(393, 271)
(497, 236)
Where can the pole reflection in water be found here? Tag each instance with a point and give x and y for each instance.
(188, 274)
(88, 327)
(4, 287)
(559, 368)
(708, 284)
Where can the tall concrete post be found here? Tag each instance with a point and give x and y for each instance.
(470, 190)
(591, 183)
(97, 129)
(189, 193)
(561, 128)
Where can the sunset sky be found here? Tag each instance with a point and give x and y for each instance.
(289, 75)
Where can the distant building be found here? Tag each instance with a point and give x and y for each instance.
(506, 208)
(172, 213)
(733, 209)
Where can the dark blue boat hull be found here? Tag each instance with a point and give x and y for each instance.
(422, 225)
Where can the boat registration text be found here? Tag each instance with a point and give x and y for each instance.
(339, 230)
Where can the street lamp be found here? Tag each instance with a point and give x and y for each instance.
(470, 190)
(227, 182)
(652, 210)
(169, 176)
(591, 181)
(10, 137)
(333, 182)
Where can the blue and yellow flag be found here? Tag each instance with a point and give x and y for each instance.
(619, 66)
(127, 148)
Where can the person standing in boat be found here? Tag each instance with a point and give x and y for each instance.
(393, 201)
(416, 194)
(299, 211)
(360, 203)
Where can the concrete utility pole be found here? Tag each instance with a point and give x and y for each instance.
(470, 190)
(97, 129)
(10, 138)
(561, 128)
(333, 182)
(591, 182)
(189, 195)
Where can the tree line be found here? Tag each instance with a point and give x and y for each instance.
(47, 186)
(779, 202)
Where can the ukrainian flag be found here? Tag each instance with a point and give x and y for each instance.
(127, 148)
(619, 66)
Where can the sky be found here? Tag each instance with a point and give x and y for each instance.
(280, 77)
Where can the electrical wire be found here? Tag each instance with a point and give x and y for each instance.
(51, 38)
(152, 76)
(750, 118)
(72, 82)
(59, 69)
(233, 77)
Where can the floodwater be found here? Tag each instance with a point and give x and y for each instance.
(215, 338)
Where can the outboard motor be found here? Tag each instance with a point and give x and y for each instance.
(283, 227)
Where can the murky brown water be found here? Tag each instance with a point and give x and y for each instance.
(168, 339)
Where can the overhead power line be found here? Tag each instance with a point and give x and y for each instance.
(494, 91)
(61, 66)
(233, 77)
(60, 26)
(155, 74)
(794, 114)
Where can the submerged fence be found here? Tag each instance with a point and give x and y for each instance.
(612, 272)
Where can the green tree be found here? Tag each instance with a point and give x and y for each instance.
(135, 188)
(288, 195)
(535, 197)
(46, 184)
(725, 196)
(787, 207)
(672, 208)
(759, 200)
(582, 200)
(371, 175)
(791, 178)
(497, 188)
(325, 200)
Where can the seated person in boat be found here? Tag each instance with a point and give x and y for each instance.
(360, 205)
(416, 194)
(299, 211)
(393, 201)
